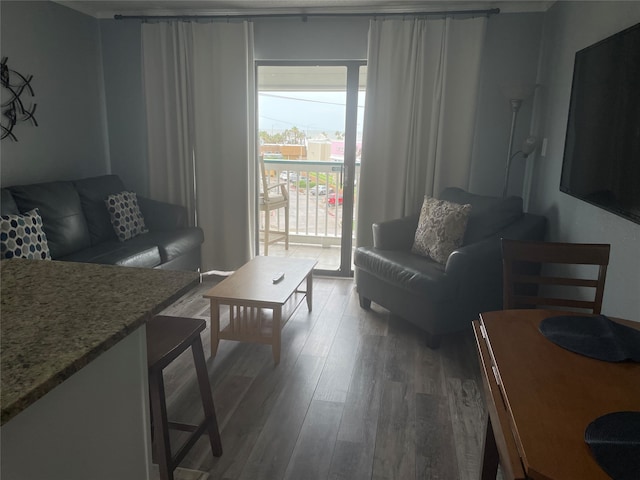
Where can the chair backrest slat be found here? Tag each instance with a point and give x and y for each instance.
(263, 176)
(269, 190)
(541, 280)
(522, 264)
(552, 302)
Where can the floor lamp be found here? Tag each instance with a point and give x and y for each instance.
(528, 147)
(516, 95)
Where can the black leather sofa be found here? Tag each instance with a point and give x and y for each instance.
(443, 298)
(78, 226)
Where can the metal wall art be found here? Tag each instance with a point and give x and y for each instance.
(16, 90)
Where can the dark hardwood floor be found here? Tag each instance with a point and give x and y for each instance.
(357, 395)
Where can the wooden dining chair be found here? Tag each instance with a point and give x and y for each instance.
(530, 280)
(273, 198)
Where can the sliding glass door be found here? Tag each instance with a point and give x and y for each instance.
(309, 133)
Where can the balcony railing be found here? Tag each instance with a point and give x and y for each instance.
(315, 199)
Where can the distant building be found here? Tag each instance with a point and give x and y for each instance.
(288, 152)
(337, 150)
(319, 150)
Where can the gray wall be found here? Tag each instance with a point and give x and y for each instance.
(315, 39)
(122, 55)
(510, 58)
(570, 27)
(61, 49)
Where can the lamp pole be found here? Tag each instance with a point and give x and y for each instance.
(515, 106)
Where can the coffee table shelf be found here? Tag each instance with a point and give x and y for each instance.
(258, 308)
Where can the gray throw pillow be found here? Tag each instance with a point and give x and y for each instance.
(126, 217)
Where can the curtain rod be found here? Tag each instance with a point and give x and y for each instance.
(304, 16)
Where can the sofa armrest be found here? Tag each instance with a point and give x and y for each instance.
(487, 253)
(478, 267)
(397, 234)
(160, 216)
(476, 259)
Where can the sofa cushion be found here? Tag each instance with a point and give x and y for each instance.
(118, 253)
(126, 218)
(93, 191)
(488, 215)
(440, 229)
(22, 236)
(7, 203)
(171, 243)
(417, 274)
(161, 215)
(62, 215)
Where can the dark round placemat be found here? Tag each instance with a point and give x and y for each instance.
(614, 440)
(593, 336)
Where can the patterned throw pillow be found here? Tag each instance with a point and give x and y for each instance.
(22, 236)
(440, 229)
(126, 217)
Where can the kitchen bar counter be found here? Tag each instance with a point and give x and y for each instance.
(56, 317)
(74, 368)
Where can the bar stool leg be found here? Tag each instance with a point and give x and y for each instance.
(207, 399)
(161, 443)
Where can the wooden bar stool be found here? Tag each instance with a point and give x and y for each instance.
(168, 337)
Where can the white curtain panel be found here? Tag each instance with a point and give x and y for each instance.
(200, 95)
(422, 84)
(166, 58)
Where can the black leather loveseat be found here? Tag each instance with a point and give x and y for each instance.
(78, 226)
(443, 298)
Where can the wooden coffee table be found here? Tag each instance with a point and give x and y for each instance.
(259, 308)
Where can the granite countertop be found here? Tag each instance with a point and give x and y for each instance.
(56, 317)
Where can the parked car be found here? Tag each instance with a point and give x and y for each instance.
(331, 199)
(289, 176)
(318, 190)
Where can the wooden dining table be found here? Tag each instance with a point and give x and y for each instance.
(541, 398)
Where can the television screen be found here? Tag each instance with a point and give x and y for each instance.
(601, 162)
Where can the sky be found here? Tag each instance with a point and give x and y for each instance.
(311, 112)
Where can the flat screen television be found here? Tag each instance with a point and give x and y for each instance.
(601, 163)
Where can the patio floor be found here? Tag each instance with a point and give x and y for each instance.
(328, 258)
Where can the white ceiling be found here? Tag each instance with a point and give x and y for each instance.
(109, 8)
